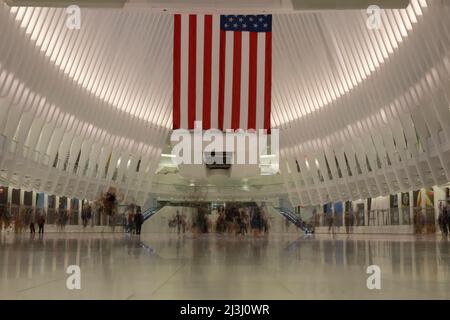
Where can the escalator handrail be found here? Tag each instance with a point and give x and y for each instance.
(147, 214)
(293, 218)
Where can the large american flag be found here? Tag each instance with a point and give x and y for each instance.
(222, 71)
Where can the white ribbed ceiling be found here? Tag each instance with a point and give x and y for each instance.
(123, 57)
(358, 108)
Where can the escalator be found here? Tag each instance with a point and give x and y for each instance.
(150, 212)
(295, 219)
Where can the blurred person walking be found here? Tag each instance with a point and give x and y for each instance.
(442, 220)
(181, 222)
(32, 229)
(347, 222)
(86, 214)
(330, 223)
(138, 220)
(41, 223)
(446, 218)
(130, 219)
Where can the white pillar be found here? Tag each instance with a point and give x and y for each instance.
(439, 196)
(80, 207)
(424, 205)
(366, 213)
(411, 207)
(9, 195)
(22, 196)
(33, 199)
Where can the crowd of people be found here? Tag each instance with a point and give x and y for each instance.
(234, 219)
(102, 211)
(19, 219)
(242, 220)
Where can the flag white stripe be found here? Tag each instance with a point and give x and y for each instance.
(199, 67)
(244, 80)
(184, 71)
(215, 70)
(228, 80)
(260, 80)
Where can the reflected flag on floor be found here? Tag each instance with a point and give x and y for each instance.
(222, 71)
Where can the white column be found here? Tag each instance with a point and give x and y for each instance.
(22, 196)
(439, 197)
(9, 195)
(33, 199)
(366, 213)
(400, 208)
(424, 202)
(80, 207)
(411, 207)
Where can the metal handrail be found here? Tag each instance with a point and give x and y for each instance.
(147, 214)
(296, 220)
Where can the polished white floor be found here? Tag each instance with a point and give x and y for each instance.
(168, 266)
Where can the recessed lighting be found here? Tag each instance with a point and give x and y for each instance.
(165, 155)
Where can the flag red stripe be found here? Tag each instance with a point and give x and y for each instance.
(236, 90)
(192, 68)
(221, 79)
(268, 80)
(253, 52)
(207, 56)
(176, 71)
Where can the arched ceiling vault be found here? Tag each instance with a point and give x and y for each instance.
(362, 112)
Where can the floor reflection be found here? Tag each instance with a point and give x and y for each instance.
(24, 256)
(188, 266)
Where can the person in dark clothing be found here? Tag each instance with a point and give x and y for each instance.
(179, 221)
(32, 221)
(229, 219)
(131, 220)
(85, 214)
(41, 222)
(447, 215)
(221, 223)
(347, 222)
(330, 223)
(264, 222)
(32, 229)
(138, 220)
(245, 221)
(256, 222)
(238, 222)
(443, 224)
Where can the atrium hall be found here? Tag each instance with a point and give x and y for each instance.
(265, 149)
